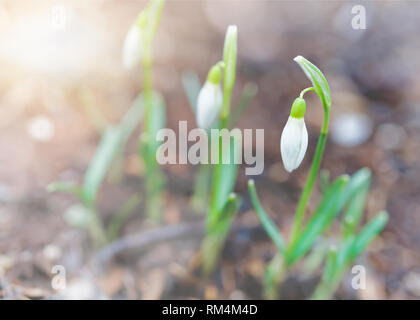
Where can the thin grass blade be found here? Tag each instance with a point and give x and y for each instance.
(268, 224)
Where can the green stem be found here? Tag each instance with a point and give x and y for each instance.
(325, 289)
(97, 229)
(214, 225)
(224, 120)
(316, 163)
(274, 275)
(199, 199)
(147, 83)
(224, 115)
(306, 192)
(152, 176)
(155, 10)
(306, 90)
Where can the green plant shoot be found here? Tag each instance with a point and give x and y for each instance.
(345, 192)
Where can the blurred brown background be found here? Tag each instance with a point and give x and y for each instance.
(61, 78)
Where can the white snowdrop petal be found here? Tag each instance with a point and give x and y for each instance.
(289, 150)
(132, 48)
(209, 105)
(304, 145)
(293, 143)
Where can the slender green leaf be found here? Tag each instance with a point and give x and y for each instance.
(315, 257)
(127, 125)
(155, 10)
(344, 253)
(248, 94)
(359, 181)
(224, 179)
(317, 78)
(351, 247)
(322, 217)
(330, 277)
(274, 273)
(330, 265)
(229, 211)
(121, 216)
(132, 118)
(154, 179)
(354, 212)
(217, 233)
(156, 119)
(202, 184)
(369, 231)
(69, 187)
(110, 142)
(229, 58)
(354, 245)
(268, 224)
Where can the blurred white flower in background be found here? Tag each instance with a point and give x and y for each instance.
(210, 99)
(41, 128)
(132, 47)
(52, 252)
(209, 105)
(351, 129)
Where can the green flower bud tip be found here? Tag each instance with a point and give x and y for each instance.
(298, 108)
(141, 20)
(215, 74)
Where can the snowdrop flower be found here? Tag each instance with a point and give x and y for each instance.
(210, 99)
(132, 48)
(294, 139)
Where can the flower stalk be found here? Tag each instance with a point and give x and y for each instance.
(148, 21)
(229, 74)
(345, 192)
(223, 204)
(313, 173)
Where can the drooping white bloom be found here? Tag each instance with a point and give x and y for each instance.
(209, 105)
(132, 48)
(293, 143)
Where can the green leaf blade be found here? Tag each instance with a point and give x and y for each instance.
(369, 231)
(359, 182)
(108, 147)
(224, 179)
(317, 78)
(268, 224)
(330, 265)
(248, 94)
(322, 217)
(217, 233)
(68, 187)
